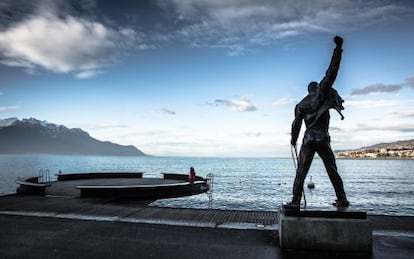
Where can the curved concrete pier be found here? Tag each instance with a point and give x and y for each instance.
(115, 186)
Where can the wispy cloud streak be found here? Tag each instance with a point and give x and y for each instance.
(167, 111)
(242, 105)
(410, 81)
(377, 88)
(400, 127)
(404, 114)
(9, 107)
(383, 88)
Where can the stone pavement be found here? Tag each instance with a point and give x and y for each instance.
(59, 227)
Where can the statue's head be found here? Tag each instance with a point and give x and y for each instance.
(312, 87)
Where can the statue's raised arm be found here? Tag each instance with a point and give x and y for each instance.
(330, 75)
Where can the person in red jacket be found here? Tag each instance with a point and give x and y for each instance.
(191, 175)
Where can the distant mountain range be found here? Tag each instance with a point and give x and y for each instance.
(29, 136)
(401, 148)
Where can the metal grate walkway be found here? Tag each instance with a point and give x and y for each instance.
(104, 210)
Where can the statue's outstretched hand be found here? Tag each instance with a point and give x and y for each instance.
(338, 40)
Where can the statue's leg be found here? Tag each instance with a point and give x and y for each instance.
(306, 155)
(325, 152)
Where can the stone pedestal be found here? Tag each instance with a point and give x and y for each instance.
(325, 230)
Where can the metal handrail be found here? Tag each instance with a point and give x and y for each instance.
(44, 176)
(210, 182)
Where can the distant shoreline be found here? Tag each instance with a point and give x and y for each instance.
(402, 149)
(202, 157)
(375, 158)
(386, 154)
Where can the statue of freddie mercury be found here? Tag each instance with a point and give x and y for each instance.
(314, 110)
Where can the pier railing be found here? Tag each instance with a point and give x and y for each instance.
(44, 176)
(210, 183)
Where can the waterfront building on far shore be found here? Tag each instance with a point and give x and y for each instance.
(376, 153)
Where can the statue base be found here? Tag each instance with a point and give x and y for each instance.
(330, 230)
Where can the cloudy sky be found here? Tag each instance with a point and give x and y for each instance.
(206, 77)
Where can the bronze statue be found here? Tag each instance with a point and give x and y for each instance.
(314, 110)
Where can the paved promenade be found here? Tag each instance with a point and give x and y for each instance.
(62, 227)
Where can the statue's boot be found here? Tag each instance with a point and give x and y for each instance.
(343, 203)
(294, 205)
(341, 200)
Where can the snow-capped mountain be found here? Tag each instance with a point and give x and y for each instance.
(36, 136)
(7, 122)
(32, 122)
(10, 121)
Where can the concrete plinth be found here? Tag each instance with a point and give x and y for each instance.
(325, 230)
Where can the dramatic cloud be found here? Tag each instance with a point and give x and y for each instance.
(61, 43)
(56, 36)
(167, 111)
(242, 105)
(377, 88)
(238, 25)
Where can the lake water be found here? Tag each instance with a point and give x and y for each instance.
(380, 187)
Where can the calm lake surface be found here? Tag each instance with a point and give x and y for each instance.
(380, 187)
